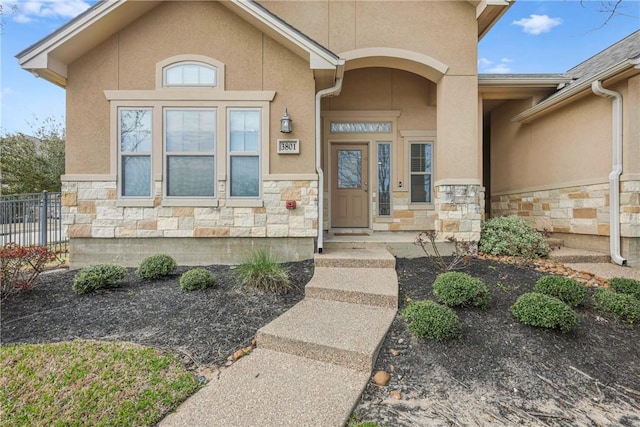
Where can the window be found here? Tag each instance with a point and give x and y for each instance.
(134, 134)
(244, 152)
(189, 74)
(421, 171)
(384, 179)
(189, 151)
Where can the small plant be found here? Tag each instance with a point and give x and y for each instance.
(544, 311)
(512, 236)
(98, 276)
(198, 278)
(569, 291)
(455, 288)
(462, 253)
(156, 266)
(625, 286)
(20, 267)
(260, 270)
(624, 306)
(428, 319)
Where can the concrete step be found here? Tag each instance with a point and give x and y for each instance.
(336, 332)
(570, 255)
(268, 388)
(370, 286)
(369, 257)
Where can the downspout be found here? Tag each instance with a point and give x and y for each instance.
(332, 91)
(616, 170)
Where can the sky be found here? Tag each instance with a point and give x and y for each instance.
(532, 37)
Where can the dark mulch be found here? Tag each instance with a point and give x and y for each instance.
(502, 372)
(201, 327)
(499, 373)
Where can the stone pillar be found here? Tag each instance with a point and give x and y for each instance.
(460, 211)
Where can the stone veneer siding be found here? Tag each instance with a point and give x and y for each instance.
(460, 210)
(90, 211)
(579, 210)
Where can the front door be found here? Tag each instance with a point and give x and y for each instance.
(349, 185)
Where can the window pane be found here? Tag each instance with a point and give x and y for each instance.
(190, 130)
(245, 176)
(361, 127)
(349, 168)
(384, 179)
(173, 76)
(420, 157)
(244, 130)
(136, 176)
(190, 75)
(190, 176)
(420, 188)
(135, 131)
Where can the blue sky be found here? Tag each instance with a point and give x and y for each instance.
(532, 37)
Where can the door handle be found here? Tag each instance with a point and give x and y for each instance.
(366, 188)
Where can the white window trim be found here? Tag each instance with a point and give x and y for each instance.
(424, 141)
(420, 136)
(263, 148)
(118, 156)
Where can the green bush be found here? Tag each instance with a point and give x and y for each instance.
(569, 291)
(625, 286)
(511, 235)
(198, 278)
(260, 270)
(428, 319)
(98, 276)
(156, 266)
(456, 288)
(544, 311)
(624, 306)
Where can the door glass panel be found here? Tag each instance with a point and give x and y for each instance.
(384, 179)
(349, 168)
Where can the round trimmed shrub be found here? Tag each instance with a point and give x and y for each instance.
(156, 266)
(428, 319)
(624, 306)
(544, 311)
(625, 286)
(198, 278)
(98, 276)
(511, 235)
(569, 291)
(455, 288)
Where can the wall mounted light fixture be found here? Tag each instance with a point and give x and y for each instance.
(286, 125)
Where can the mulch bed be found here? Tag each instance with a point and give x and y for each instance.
(499, 373)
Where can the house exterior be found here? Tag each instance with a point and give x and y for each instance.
(175, 138)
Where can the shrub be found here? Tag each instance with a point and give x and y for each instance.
(198, 278)
(624, 306)
(260, 270)
(512, 236)
(567, 290)
(626, 286)
(455, 288)
(428, 319)
(98, 276)
(544, 311)
(21, 266)
(156, 266)
(462, 253)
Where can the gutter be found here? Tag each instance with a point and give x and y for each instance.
(332, 91)
(564, 96)
(616, 170)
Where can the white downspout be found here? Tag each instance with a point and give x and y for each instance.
(616, 170)
(335, 90)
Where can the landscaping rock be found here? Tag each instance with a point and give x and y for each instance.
(381, 378)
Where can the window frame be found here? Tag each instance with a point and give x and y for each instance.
(121, 154)
(259, 154)
(199, 64)
(411, 143)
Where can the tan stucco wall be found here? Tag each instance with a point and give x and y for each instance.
(128, 60)
(445, 30)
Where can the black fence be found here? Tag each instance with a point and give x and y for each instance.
(32, 220)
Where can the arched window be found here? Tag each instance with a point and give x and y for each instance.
(189, 73)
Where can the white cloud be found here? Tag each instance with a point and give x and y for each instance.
(537, 24)
(491, 67)
(499, 69)
(30, 11)
(484, 62)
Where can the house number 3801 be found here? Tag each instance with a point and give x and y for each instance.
(288, 146)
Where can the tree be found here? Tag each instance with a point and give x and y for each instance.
(31, 164)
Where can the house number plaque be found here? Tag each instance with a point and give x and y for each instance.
(288, 146)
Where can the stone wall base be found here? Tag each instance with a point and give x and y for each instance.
(629, 246)
(129, 252)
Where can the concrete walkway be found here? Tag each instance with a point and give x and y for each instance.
(313, 362)
(593, 262)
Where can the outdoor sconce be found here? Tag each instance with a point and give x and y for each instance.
(286, 125)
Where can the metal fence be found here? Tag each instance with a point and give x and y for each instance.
(32, 220)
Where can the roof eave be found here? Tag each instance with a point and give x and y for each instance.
(489, 12)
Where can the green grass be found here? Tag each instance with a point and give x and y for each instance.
(89, 383)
